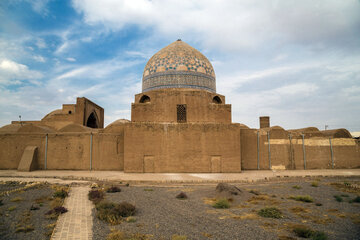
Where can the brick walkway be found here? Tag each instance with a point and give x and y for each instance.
(77, 222)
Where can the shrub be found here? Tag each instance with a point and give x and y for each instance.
(27, 228)
(57, 211)
(178, 237)
(12, 208)
(318, 204)
(113, 213)
(1, 202)
(270, 212)
(338, 198)
(296, 187)
(113, 189)
(17, 199)
(357, 200)
(221, 203)
(181, 195)
(34, 207)
(305, 198)
(96, 196)
(61, 193)
(130, 219)
(305, 232)
(254, 192)
(314, 184)
(116, 235)
(148, 189)
(344, 195)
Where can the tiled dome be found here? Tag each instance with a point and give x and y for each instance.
(178, 66)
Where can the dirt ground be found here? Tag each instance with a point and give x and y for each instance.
(160, 215)
(22, 212)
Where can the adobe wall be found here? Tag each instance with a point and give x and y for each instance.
(156, 147)
(290, 155)
(13, 146)
(162, 106)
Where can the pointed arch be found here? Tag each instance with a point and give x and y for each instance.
(93, 120)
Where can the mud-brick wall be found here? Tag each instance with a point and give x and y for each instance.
(182, 147)
(68, 151)
(12, 147)
(108, 151)
(346, 153)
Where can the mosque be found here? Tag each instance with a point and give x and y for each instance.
(179, 123)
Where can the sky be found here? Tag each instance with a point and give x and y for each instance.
(295, 61)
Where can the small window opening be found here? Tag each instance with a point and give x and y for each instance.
(70, 112)
(217, 100)
(181, 113)
(144, 99)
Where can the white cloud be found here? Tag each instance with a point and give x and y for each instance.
(232, 24)
(70, 59)
(40, 43)
(15, 73)
(39, 58)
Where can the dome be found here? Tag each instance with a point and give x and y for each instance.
(178, 65)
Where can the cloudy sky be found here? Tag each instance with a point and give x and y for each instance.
(296, 61)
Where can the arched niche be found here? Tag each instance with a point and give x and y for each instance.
(92, 121)
(144, 99)
(217, 100)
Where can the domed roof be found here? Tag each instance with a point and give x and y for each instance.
(178, 65)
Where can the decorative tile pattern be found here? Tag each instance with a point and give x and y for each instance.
(179, 64)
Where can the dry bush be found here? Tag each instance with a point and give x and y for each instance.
(96, 196)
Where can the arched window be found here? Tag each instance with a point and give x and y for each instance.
(92, 121)
(144, 99)
(217, 100)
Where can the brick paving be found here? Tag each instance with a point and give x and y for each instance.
(77, 222)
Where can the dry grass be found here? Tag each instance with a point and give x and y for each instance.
(178, 237)
(270, 212)
(16, 199)
(305, 198)
(263, 199)
(298, 209)
(347, 187)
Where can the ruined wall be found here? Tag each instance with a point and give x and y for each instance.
(162, 106)
(156, 147)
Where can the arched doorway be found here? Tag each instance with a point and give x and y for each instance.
(92, 121)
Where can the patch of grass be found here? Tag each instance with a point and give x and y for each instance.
(356, 200)
(96, 196)
(148, 189)
(346, 187)
(221, 203)
(306, 232)
(113, 189)
(25, 229)
(338, 198)
(178, 237)
(56, 202)
(299, 209)
(113, 212)
(318, 204)
(12, 208)
(50, 229)
(130, 219)
(302, 198)
(41, 199)
(60, 193)
(16, 199)
(116, 235)
(181, 195)
(296, 187)
(254, 192)
(314, 184)
(270, 212)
